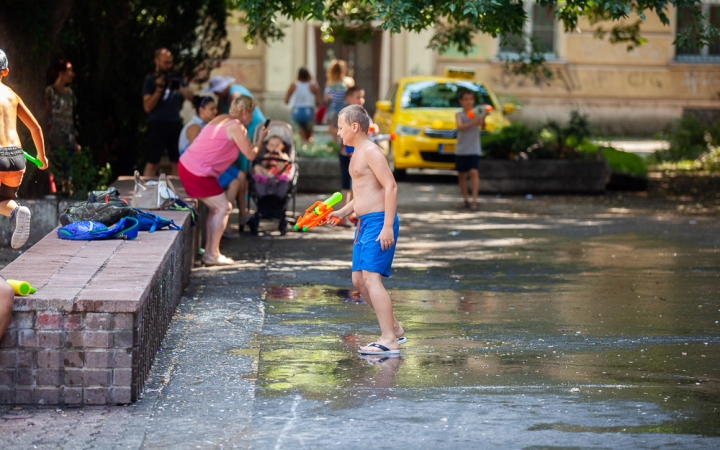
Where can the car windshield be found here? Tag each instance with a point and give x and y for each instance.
(433, 94)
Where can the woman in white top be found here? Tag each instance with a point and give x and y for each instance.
(303, 96)
(205, 111)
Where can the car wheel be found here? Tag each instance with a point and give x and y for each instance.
(399, 174)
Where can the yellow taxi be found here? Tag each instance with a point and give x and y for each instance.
(418, 114)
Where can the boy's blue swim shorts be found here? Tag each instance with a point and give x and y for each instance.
(367, 253)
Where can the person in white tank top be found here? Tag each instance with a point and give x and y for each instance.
(303, 96)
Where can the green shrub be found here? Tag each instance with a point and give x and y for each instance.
(624, 162)
(689, 138)
(77, 174)
(325, 150)
(508, 142)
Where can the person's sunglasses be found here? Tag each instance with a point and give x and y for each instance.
(205, 101)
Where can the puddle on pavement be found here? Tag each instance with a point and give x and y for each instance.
(611, 328)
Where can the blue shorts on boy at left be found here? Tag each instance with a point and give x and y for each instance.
(367, 253)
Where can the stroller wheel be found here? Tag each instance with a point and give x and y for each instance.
(253, 225)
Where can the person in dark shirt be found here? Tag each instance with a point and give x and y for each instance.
(163, 93)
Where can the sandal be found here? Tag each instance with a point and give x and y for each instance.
(464, 205)
(473, 206)
(383, 351)
(221, 260)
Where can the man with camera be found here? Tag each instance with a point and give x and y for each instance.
(163, 93)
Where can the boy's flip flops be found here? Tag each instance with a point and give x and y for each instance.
(384, 351)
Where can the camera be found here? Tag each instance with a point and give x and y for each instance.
(173, 81)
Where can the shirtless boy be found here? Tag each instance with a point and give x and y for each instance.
(12, 161)
(375, 202)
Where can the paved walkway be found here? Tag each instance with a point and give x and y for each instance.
(545, 322)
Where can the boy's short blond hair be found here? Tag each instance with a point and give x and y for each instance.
(356, 114)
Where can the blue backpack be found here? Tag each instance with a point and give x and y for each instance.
(151, 222)
(125, 228)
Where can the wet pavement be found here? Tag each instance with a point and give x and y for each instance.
(541, 322)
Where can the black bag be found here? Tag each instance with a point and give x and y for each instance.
(104, 206)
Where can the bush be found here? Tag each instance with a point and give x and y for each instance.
(508, 142)
(325, 150)
(77, 174)
(624, 162)
(689, 138)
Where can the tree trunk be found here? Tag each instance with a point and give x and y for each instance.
(27, 34)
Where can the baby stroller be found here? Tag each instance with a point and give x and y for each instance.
(271, 197)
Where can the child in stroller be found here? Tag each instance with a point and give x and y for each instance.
(273, 169)
(274, 177)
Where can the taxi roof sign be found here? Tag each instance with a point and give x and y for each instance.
(460, 72)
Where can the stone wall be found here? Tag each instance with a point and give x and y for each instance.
(90, 333)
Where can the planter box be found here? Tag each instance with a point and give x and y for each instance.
(545, 176)
(698, 185)
(318, 175)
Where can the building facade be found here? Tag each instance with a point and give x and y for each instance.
(633, 93)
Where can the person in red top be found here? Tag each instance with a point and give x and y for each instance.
(211, 153)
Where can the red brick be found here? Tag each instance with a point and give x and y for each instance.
(122, 377)
(98, 359)
(97, 339)
(48, 396)
(73, 358)
(74, 339)
(22, 319)
(73, 377)
(120, 395)
(95, 396)
(47, 320)
(50, 339)
(123, 339)
(8, 358)
(24, 396)
(98, 321)
(7, 396)
(25, 377)
(26, 358)
(72, 322)
(97, 377)
(72, 395)
(48, 378)
(27, 338)
(124, 321)
(7, 377)
(48, 358)
(122, 358)
(9, 340)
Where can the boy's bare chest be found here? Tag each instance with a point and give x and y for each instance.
(358, 167)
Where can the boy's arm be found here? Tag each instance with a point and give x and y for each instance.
(344, 211)
(379, 167)
(28, 119)
(472, 123)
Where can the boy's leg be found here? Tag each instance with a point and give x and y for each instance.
(19, 215)
(7, 296)
(382, 304)
(359, 283)
(463, 186)
(243, 214)
(474, 186)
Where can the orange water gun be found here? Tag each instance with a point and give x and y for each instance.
(471, 113)
(318, 214)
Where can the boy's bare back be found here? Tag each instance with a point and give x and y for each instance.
(368, 192)
(9, 103)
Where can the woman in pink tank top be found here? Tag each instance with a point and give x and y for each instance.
(211, 153)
